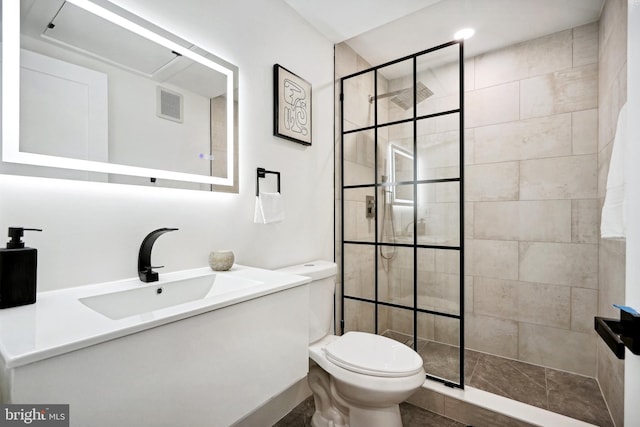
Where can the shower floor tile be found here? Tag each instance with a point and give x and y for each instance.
(510, 378)
(577, 397)
(562, 392)
(412, 416)
(443, 361)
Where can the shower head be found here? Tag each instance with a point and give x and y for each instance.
(403, 98)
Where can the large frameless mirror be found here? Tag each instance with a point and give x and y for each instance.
(91, 91)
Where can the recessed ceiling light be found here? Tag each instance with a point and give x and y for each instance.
(464, 34)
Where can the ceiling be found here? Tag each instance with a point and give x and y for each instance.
(382, 30)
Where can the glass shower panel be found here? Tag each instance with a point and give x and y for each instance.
(395, 214)
(359, 316)
(438, 214)
(395, 148)
(402, 145)
(359, 158)
(358, 111)
(441, 355)
(438, 73)
(438, 277)
(358, 218)
(395, 275)
(396, 323)
(359, 271)
(438, 147)
(395, 92)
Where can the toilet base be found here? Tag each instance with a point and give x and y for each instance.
(329, 413)
(333, 411)
(369, 417)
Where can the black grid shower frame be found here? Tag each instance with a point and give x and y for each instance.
(376, 185)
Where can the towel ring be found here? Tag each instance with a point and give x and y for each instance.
(262, 172)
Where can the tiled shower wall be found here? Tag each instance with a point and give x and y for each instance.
(531, 219)
(612, 94)
(532, 208)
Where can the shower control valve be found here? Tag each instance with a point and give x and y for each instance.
(370, 207)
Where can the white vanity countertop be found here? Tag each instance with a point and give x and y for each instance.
(59, 323)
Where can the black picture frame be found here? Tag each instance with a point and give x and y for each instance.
(291, 106)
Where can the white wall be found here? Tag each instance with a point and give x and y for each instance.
(632, 291)
(92, 231)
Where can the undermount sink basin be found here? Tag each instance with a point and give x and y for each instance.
(155, 296)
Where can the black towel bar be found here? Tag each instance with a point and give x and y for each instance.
(262, 174)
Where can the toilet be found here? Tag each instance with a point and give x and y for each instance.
(359, 378)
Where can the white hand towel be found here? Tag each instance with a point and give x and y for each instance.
(269, 208)
(613, 224)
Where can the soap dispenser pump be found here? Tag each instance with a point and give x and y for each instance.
(18, 266)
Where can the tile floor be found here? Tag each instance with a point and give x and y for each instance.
(412, 416)
(569, 394)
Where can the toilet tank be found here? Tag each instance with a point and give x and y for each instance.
(321, 294)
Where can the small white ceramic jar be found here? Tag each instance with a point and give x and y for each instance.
(221, 260)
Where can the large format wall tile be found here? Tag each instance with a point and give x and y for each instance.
(557, 348)
(611, 379)
(468, 220)
(468, 294)
(559, 263)
(584, 304)
(523, 302)
(613, 41)
(612, 96)
(535, 138)
(503, 101)
(491, 335)
(611, 271)
(346, 60)
(564, 91)
(488, 182)
(585, 221)
(585, 44)
(572, 177)
(604, 158)
(584, 127)
(492, 258)
(531, 58)
(546, 221)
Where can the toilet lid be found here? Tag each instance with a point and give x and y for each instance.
(372, 354)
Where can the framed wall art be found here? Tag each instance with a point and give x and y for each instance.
(292, 106)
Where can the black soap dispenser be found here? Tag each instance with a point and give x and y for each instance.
(18, 271)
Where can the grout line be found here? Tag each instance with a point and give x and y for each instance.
(546, 386)
(475, 366)
(606, 404)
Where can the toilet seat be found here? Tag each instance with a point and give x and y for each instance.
(374, 355)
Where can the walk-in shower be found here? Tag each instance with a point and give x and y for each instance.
(402, 270)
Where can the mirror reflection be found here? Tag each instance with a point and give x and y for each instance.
(129, 95)
(401, 171)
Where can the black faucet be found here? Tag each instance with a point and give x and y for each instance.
(145, 271)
